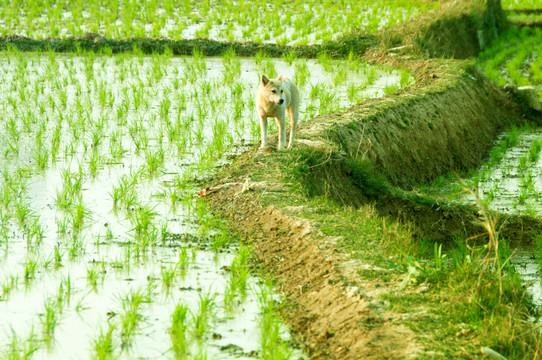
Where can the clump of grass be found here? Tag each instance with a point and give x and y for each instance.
(19, 348)
(131, 316)
(178, 330)
(49, 319)
(168, 276)
(104, 345)
(201, 320)
(271, 342)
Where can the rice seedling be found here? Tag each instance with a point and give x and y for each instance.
(68, 287)
(30, 268)
(80, 306)
(239, 269)
(49, 319)
(78, 215)
(58, 255)
(534, 150)
(183, 259)
(168, 276)
(390, 89)
(104, 345)
(272, 344)
(202, 318)
(9, 285)
(95, 275)
(178, 331)
(19, 348)
(131, 316)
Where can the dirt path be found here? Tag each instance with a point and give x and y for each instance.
(333, 320)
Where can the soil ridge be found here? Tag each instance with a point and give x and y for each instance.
(448, 120)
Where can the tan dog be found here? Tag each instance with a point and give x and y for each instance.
(275, 97)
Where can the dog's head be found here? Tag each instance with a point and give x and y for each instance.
(272, 90)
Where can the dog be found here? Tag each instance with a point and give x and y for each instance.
(274, 98)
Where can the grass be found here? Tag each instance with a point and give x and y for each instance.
(469, 291)
(456, 296)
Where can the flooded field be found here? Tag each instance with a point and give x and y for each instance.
(510, 181)
(105, 252)
(295, 22)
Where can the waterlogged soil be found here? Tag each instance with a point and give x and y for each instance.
(100, 160)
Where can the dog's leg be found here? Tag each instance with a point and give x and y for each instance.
(263, 130)
(292, 114)
(281, 122)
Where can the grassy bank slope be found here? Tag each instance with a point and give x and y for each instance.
(356, 255)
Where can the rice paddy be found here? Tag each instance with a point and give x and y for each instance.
(295, 22)
(521, 4)
(511, 179)
(105, 251)
(515, 58)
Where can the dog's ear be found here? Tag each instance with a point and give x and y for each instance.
(265, 80)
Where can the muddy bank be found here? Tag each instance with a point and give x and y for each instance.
(334, 312)
(458, 30)
(412, 137)
(357, 158)
(332, 321)
(93, 42)
(375, 153)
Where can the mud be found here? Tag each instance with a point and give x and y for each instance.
(92, 42)
(412, 139)
(332, 321)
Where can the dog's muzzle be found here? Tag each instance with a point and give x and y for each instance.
(281, 101)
